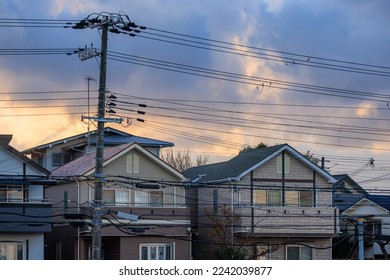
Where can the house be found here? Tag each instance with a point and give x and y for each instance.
(58, 153)
(267, 203)
(371, 213)
(346, 185)
(137, 184)
(25, 214)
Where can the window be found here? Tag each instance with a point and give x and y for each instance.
(156, 252)
(302, 198)
(260, 197)
(132, 162)
(116, 197)
(11, 193)
(279, 164)
(149, 198)
(267, 197)
(156, 199)
(373, 227)
(59, 159)
(11, 251)
(299, 253)
(215, 201)
(274, 198)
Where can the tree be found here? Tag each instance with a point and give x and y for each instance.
(222, 224)
(312, 158)
(181, 160)
(249, 148)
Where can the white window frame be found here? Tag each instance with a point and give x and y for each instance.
(132, 164)
(298, 201)
(12, 250)
(153, 251)
(116, 201)
(142, 198)
(286, 164)
(266, 195)
(9, 192)
(300, 248)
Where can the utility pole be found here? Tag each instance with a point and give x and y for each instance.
(89, 79)
(115, 23)
(360, 223)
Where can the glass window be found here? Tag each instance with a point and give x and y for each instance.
(156, 251)
(274, 198)
(11, 251)
(141, 198)
(215, 201)
(109, 197)
(260, 197)
(299, 253)
(122, 197)
(306, 198)
(292, 198)
(156, 198)
(279, 165)
(59, 159)
(3, 194)
(132, 162)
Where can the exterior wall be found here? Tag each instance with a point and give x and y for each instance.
(313, 225)
(166, 224)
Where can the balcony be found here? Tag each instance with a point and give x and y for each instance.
(25, 216)
(287, 221)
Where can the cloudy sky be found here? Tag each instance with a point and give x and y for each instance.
(216, 76)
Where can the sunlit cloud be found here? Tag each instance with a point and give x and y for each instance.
(364, 110)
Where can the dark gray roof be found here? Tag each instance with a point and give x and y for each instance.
(243, 163)
(339, 186)
(345, 201)
(112, 137)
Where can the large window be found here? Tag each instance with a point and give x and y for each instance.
(11, 193)
(302, 198)
(149, 198)
(299, 253)
(156, 252)
(11, 251)
(273, 197)
(116, 197)
(268, 197)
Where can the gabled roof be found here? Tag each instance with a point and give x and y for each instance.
(244, 163)
(346, 201)
(4, 145)
(85, 165)
(339, 186)
(112, 137)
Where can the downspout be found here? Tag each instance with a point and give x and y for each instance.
(314, 189)
(283, 179)
(252, 206)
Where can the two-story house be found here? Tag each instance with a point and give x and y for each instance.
(137, 182)
(25, 216)
(267, 203)
(364, 219)
(60, 152)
